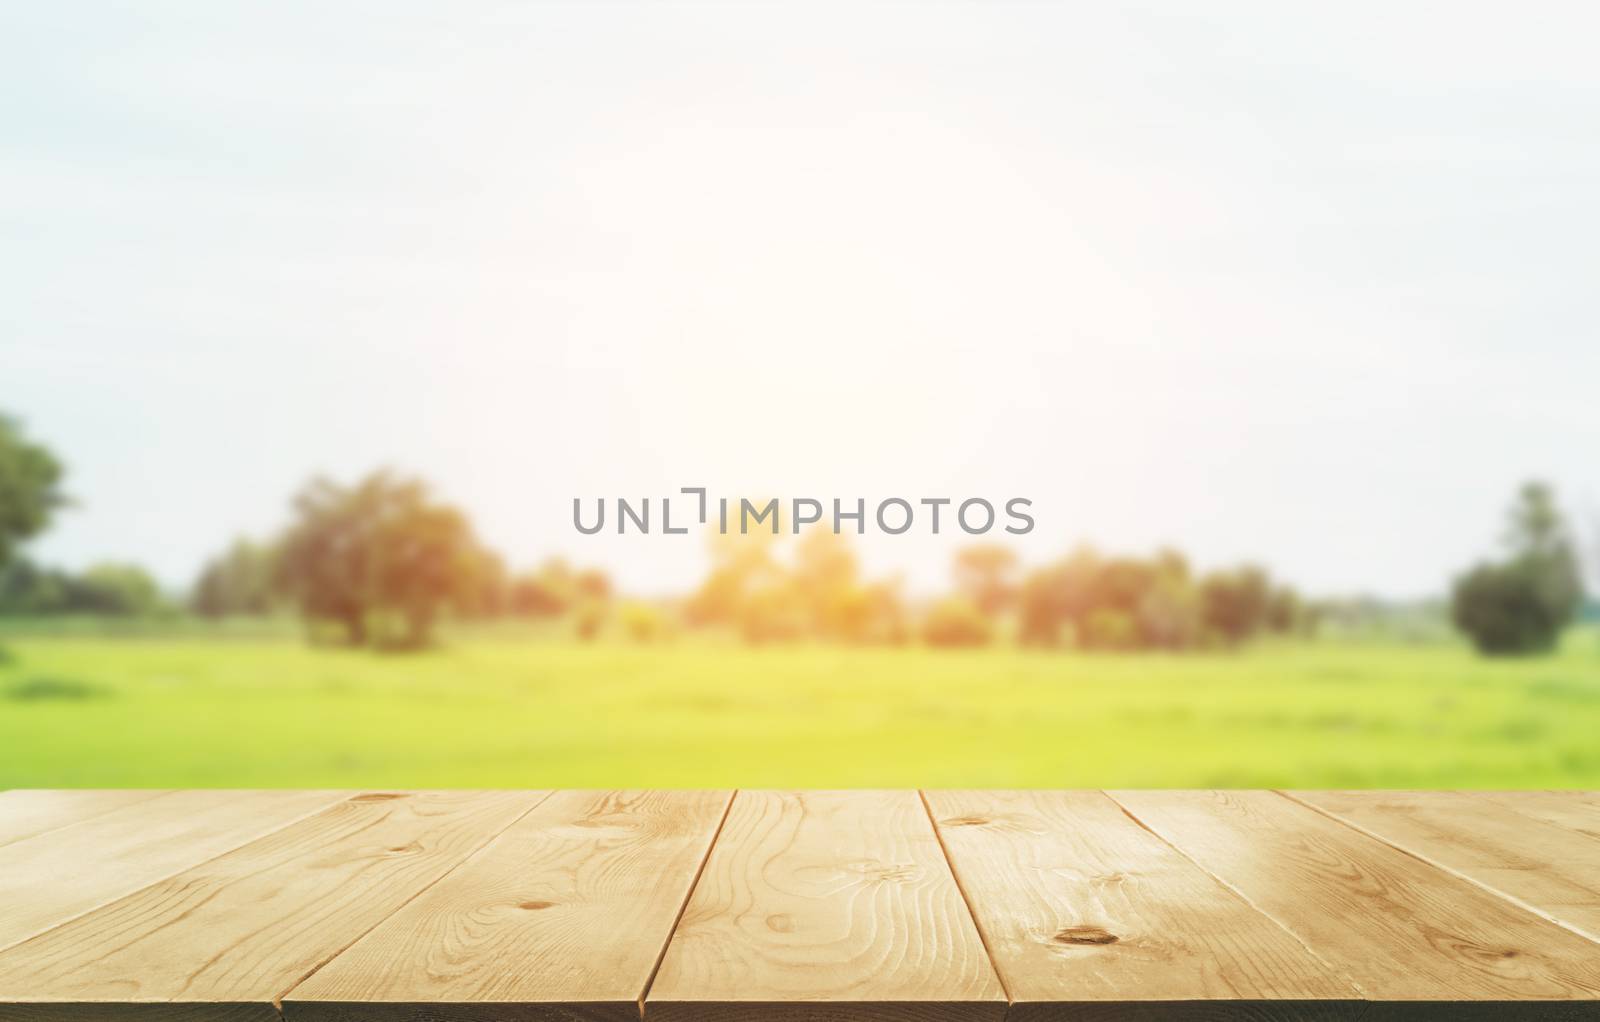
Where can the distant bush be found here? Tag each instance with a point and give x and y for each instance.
(1504, 610)
(956, 621)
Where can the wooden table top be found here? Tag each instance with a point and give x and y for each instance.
(798, 905)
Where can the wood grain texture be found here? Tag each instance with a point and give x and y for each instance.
(27, 812)
(1575, 810)
(241, 929)
(1548, 868)
(1087, 914)
(1402, 930)
(55, 876)
(564, 915)
(826, 905)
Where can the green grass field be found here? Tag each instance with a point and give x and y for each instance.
(190, 711)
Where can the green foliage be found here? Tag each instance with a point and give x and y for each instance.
(120, 589)
(378, 553)
(957, 621)
(110, 589)
(1519, 605)
(238, 581)
(30, 481)
(27, 588)
(1503, 609)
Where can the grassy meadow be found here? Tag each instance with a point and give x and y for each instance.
(264, 710)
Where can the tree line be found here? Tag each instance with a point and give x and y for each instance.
(378, 561)
(381, 560)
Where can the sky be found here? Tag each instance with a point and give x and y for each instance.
(1312, 286)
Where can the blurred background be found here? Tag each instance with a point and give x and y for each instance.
(317, 321)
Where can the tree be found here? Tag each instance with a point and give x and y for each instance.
(986, 574)
(1057, 597)
(1537, 536)
(1235, 604)
(1520, 604)
(548, 592)
(237, 581)
(30, 480)
(956, 621)
(1169, 613)
(1286, 613)
(380, 551)
(27, 588)
(744, 587)
(873, 613)
(826, 583)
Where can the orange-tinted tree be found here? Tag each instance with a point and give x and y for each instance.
(380, 554)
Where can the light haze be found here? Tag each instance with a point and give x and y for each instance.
(1313, 286)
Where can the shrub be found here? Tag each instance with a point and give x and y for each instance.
(1505, 610)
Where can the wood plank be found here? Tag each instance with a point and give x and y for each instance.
(563, 915)
(232, 935)
(25, 812)
(1086, 913)
(1550, 869)
(1574, 810)
(55, 876)
(826, 905)
(1402, 930)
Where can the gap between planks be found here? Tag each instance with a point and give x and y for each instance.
(1468, 972)
(688, 896)
(277, 1001)
(1236, 892)
(1443, 867)
(966, 899)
